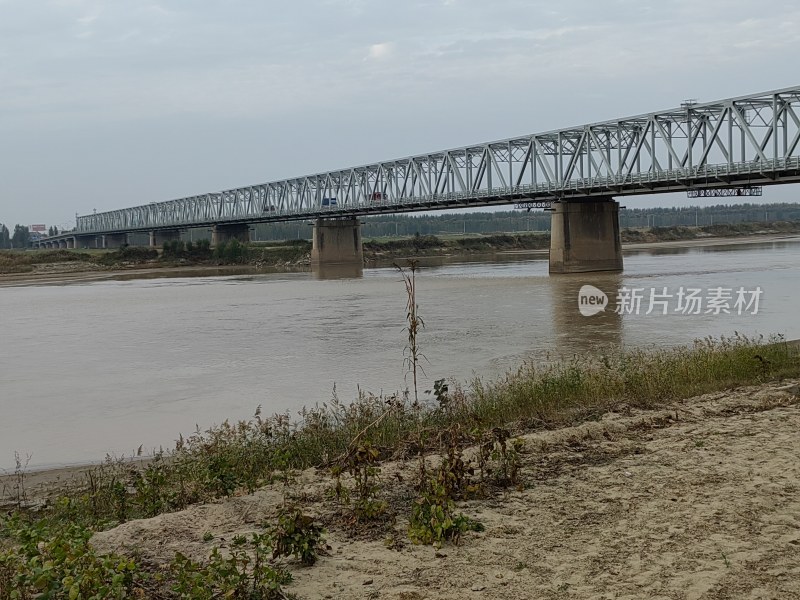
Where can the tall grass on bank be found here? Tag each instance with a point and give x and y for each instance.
(243, 456)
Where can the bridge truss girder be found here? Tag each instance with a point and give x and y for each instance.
(750, 140)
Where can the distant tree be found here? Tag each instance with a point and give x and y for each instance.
(50, 231)
(5, 238)
(55, 230)
(21, 237)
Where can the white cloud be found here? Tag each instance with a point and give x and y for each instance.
(380, 51)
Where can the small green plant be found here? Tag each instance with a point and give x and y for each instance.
(57, 562)
(152, 486)
(362, 464)
(340, 493)
(208, 536)
(296, 534)
(244, 573)
(433, 515)
(441, 391)
(434, 519)
(504, 457)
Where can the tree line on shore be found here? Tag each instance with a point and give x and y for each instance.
(19, 239)
(515, 221)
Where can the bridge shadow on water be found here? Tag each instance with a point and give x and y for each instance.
(343, 271)
(579, 334)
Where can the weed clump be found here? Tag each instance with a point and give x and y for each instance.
(243, 572)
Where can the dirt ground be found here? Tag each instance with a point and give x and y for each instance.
(698, 500)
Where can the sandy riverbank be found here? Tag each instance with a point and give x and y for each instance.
(73, 273)
(694, 500)
(698, 500)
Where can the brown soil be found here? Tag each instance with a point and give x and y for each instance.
(698, 500)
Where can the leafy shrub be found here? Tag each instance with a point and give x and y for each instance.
(434, 519)
(232, 251)
(245, 574)
(296, 535)
(362, 464)
(173, 249)
(57, 562)
(499, 457)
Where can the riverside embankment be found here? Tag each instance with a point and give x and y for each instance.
(583, 479)
(64, 266)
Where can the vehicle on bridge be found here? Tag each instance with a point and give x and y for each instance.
(378, 197)
(329, 202)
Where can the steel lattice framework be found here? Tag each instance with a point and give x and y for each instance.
(749, 140)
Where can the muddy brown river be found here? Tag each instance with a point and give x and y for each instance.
(104, 367)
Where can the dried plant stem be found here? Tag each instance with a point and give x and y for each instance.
(415, 323)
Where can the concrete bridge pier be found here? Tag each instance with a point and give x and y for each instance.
(62, 243)
(115, 240)
(225, 233)
(158, 237)
(336, 242)
(71, 242)
(584, 236)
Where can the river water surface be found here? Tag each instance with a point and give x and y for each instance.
(93, 368)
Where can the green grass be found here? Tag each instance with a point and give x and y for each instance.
(242, 456)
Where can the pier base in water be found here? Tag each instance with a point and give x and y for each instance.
(584, 237)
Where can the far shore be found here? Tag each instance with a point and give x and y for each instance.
(63, 273)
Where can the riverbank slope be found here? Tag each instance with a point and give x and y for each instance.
(695, 500)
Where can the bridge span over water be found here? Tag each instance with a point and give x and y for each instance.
(737, 142)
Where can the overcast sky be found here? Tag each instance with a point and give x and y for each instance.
(111, 103)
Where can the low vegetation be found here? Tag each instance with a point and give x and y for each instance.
(675, 233)
(173, 253)
(25, 262)
(463, 439)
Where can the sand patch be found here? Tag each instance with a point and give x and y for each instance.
(697, 500)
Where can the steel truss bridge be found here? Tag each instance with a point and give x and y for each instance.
(738, 142)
